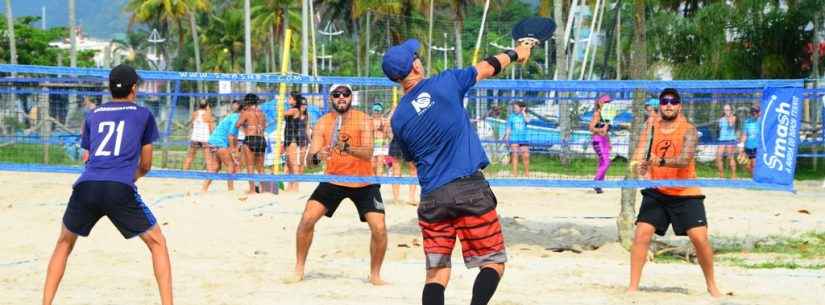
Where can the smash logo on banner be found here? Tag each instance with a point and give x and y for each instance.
(779, 139)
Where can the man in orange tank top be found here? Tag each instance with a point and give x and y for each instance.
(343, 139)
(670, 156)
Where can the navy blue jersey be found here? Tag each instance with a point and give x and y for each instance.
(114, 134)
(433, 129)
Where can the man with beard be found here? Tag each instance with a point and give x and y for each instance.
(344, 140)
(670, 157)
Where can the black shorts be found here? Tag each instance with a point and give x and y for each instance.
(751, 152)
(256, 144)
(660, 210)
(367, 199)
(195, 144)
(92, 200)
(299, 141)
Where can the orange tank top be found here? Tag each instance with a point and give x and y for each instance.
(669, 144)
(350, 131)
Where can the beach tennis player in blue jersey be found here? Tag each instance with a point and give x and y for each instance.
(118, 136)
(433, 130)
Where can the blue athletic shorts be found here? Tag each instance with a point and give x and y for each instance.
(92, 200)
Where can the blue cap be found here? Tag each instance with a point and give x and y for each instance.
(652, 102)
(398, 61)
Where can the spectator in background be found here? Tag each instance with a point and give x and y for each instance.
(727, 142)
(749, 140)
(296, 135)
(516, 135)
(223, 147)
(599, 128)
(381, 137)
(253, 124)
(202, 124)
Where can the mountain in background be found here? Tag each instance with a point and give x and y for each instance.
(97, 18)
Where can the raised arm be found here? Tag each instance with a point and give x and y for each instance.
(487, 70)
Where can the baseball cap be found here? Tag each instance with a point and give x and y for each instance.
(604, 99)
(398, 60)
(377, 107)
(652, 102)
(337, 86)
(121, 80)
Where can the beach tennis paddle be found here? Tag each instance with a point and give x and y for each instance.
(649, 143)
(533, 30)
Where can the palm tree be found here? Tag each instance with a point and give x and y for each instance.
(224, 40)
(162, 13)
(459, 6)
(638, 68)
(192, 8)
(10, 31)
(268, 20)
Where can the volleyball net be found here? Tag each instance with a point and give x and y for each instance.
(767, 121)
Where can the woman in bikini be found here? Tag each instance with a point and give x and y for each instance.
(252, 122)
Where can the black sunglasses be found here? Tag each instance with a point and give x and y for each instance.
(338, 94)
(669, 100)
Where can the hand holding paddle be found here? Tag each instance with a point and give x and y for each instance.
(531, 32)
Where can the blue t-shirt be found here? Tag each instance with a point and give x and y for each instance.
(114, 134)
(433, 129)
(726, 130)
(751, 129)
(518, 128)
(226, 127)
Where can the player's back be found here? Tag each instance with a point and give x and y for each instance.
(114, 134)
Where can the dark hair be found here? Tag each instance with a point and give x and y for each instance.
(299, 99)
(203, 105)
(521, 104)
(250, 99)
(671, 92)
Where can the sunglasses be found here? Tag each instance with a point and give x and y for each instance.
(669, 100)
(338, 94)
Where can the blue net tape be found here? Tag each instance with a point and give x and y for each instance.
(529, 85)
(503, 182)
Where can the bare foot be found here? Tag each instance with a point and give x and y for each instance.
(632, 290)
(377, 281)
(714, 292)
(292, 279)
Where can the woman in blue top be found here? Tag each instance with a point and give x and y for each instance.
(222, 146)
(749, 140)
(727, 142)
(516, 135)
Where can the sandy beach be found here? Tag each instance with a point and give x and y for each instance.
(229, 250)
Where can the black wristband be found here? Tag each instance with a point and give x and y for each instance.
(661, 162)
(512, 54)
(493, 61)
(315, 160)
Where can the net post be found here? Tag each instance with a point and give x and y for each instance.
(43, 118)
(276, 166)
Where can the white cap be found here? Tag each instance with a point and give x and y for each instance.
(336, 86)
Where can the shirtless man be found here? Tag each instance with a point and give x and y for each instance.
(381, 148)
(252, 122)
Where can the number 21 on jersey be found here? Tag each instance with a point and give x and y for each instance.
(110, 127)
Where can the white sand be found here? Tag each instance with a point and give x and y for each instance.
(226, 251)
